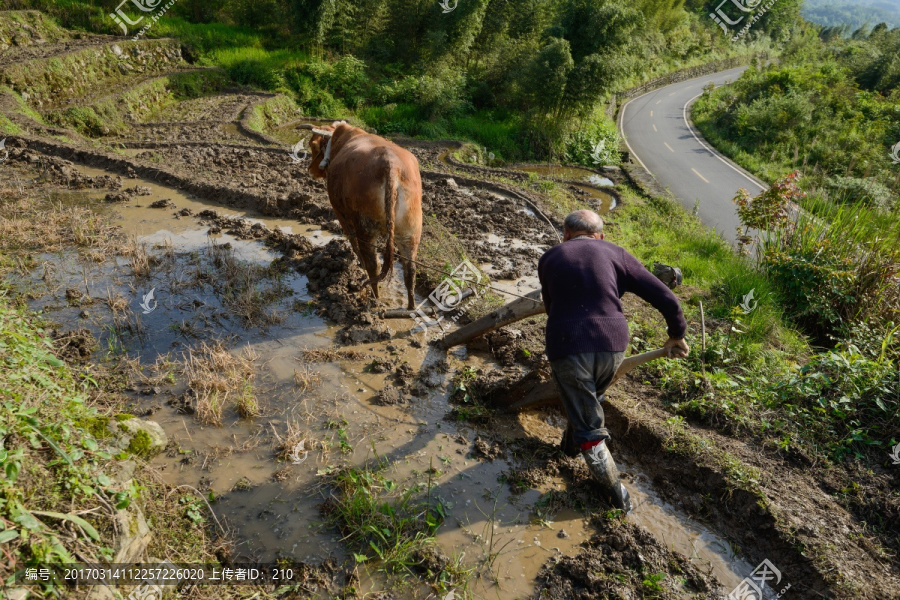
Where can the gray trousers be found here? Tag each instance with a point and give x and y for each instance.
(581, 380)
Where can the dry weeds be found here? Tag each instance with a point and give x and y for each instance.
(293, 444)
(138, 257)
(246, 289)
(33, 222)
(306, 379)
(216, 375)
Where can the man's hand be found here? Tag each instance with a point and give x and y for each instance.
(676, 348)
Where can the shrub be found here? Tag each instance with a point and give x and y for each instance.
(844, 399)
(864, 191)
(594, 143)
(833, 268)
(345, 79)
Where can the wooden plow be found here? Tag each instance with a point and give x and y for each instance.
(530, 391)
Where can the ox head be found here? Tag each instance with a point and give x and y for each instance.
(320, 146)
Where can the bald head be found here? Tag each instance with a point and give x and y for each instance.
(583, 222)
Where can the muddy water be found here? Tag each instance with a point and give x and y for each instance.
(679, 532)
(272, 506)
(569, 173)
(137, 218)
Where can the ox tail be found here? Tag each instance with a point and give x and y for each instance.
(391, 193)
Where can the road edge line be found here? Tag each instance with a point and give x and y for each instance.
(625, 138)
(728, 162)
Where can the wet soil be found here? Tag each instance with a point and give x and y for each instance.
(623, 560)
(379, 371)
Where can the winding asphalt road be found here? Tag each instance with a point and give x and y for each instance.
(659, 135)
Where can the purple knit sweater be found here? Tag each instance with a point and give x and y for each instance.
(582, 282)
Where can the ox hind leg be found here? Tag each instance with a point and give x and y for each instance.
(369, 259)
(364, 251)
(408, 250)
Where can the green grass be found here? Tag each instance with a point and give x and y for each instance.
(208, 37)
(51, 462)
(391, 527)
(58, 490)
(662, 231)
(255, 66)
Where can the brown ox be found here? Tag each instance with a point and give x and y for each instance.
(376, 190)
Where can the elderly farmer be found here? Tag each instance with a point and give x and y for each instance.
(582, 282)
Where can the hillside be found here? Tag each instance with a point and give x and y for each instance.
(853, 13)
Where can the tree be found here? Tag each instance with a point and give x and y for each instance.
(548, 75)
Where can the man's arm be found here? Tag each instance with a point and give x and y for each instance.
(545, 291)
(645, 285)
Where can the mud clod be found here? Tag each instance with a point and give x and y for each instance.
(432, 560)
(242, 485)
(390, 396)
(339, 286)
(185, 404)
(74, 346)
(129, 193)
(624, 561)
(487, 450)
(64, 172)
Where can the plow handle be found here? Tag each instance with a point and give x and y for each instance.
(635, 361)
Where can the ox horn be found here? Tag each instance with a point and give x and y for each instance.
(323, 133)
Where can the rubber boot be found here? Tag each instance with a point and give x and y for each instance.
(567, 443)
(603, 468)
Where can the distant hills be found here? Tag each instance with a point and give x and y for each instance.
(854, 13)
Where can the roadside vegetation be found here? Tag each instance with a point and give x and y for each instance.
(820, 126)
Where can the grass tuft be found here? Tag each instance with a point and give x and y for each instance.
(215, 375)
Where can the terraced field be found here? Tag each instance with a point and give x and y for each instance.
(209, 210)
